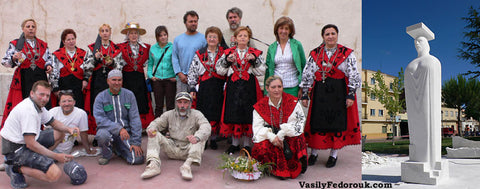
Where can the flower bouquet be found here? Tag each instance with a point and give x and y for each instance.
(244, 167)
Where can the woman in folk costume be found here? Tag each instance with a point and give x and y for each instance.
(241, 64)
(33, 61)
(102, 56)
(135, 54)
(333, 115)
(67, 74)
(209, 97)
(278, 122)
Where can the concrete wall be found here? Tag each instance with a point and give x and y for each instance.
(85, 16)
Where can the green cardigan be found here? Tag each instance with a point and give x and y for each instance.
(298, 58)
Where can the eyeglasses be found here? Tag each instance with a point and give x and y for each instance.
(183, 95)
(65, 92)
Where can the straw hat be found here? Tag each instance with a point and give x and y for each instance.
(133, 26)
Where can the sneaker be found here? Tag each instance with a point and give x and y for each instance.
(186, 172)
(17, 180)
(213, 144)
(103, 161)
(232, 149)
(312, 159)
(152, 169)
(331, 162)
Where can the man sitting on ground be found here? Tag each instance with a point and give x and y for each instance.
(188, 131)
(71, 116)
(118, 122)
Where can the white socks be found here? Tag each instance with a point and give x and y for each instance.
(333, 152)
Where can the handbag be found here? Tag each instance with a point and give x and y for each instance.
(287, 152)
(148, 81)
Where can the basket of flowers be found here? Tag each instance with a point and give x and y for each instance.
(244, 167)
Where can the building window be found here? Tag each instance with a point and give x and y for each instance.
(372, 97)
(380, 113)
(372, 81)
(446, 113)
(391, 86)
(384, 129)
(451, 113)
(456, 114)
(372, 112)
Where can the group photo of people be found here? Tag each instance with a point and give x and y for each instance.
(155, 103)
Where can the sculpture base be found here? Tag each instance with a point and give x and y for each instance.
(420, 172)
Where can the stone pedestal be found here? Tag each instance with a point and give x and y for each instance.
(420, 172)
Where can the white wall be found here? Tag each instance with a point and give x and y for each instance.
(85, 16)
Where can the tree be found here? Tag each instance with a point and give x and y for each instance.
(462, 94)
(389, 96)
(470, 50)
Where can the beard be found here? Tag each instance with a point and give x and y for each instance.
(234, 26)
(182, 111)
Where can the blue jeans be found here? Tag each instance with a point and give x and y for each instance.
(108, 142)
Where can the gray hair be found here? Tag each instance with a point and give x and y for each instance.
(234, 10)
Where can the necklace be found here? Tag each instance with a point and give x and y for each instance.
(32, 53)
(326, 64)
(134, 55)
(209, 62)
(272, 119)
(106, 56)
(70, 61)
(240, 68)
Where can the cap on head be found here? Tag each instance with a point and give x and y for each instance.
(76, 172)
(183, 95)
(114, 73)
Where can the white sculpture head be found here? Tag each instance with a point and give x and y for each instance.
(422, 46)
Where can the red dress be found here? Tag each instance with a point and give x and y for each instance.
(134, 80)
(24, 76)
(266, 152)
(98, 82)
(242, 91)
(323, 129)
(209, 99)
(71, 75)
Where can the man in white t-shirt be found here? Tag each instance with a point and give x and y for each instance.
(26, 147)
(71, 116)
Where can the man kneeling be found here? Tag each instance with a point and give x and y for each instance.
(27, 149)
(187, 131)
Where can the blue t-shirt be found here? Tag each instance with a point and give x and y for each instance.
(184, 48)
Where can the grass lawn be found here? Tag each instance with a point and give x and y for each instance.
(401, 146)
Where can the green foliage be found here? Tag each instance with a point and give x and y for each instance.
(243, 164)
(470, 50)
(401, 147)
(390, 98)
(462, 94)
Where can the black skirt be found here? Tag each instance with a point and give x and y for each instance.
(210, 98)
(135, 81)
(98, 84)
(240, 97)
(71, 82)
(329, 112)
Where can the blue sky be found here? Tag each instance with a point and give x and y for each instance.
(387, 47)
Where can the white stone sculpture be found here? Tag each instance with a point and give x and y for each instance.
(423, 95)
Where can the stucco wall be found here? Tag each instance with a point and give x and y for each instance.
(85, 16)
